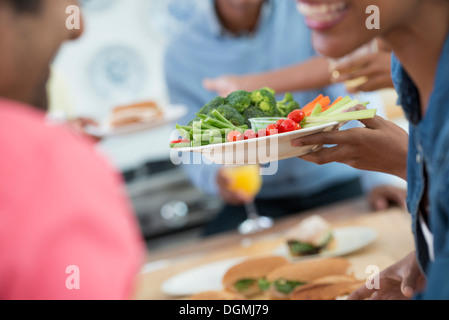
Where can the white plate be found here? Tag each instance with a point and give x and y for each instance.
(203, 278)
(348, 240)
(261, 150)
(172, 113)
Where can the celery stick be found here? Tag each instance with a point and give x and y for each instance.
(337, 106)
(345, 116)
(313, 124)
(317, 110)
(349, 106)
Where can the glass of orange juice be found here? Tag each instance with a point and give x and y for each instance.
(247, 179)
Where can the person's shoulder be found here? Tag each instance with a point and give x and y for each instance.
(21, 129)
(16, 116)
(23, 125)
(27, 137)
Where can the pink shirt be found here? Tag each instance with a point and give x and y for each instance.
(66, 228)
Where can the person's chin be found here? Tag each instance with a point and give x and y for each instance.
(333, 46)
(334, 24)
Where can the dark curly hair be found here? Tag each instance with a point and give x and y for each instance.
(30, 6)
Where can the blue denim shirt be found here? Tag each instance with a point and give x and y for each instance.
(428, 158)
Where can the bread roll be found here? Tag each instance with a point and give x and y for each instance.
(251, 269)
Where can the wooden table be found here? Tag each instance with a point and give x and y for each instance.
(394, 241)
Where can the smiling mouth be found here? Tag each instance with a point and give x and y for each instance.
(323, 16)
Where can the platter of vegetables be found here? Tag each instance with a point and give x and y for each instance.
(255, 128)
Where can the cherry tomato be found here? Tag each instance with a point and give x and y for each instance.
(296, 115)
(288, 125)
(298, 126)
(279, 123)
(235, 136)
(272, 130)
(249, 134)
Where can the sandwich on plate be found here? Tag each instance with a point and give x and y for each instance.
(248, 278)
(287, 278)
(143, 112)
(311, 236)
(335, 287)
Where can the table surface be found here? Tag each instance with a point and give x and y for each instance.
(394, 241)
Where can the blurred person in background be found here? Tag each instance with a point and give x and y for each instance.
(418, 33)
(66, 227)
(253, 36)
(374, 68)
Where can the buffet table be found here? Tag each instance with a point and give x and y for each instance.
(394, 241)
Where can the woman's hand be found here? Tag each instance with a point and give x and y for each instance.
(308, 75)
(401, 281)
(79, 125)
(381, 197)
(225, 85)
(375, 68)
(381, 146)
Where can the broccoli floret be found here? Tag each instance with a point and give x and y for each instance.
(231, 114)
(240, 100)
(265, 100)
(287, 105)
(277, 114)
(212, 105)
(270, 90)
(254, 112)
(209, 107)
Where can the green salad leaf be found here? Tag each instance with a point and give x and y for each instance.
(244, 284)
(264, 284)
(287, 286)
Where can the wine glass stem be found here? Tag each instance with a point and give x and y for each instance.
(251, 210)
